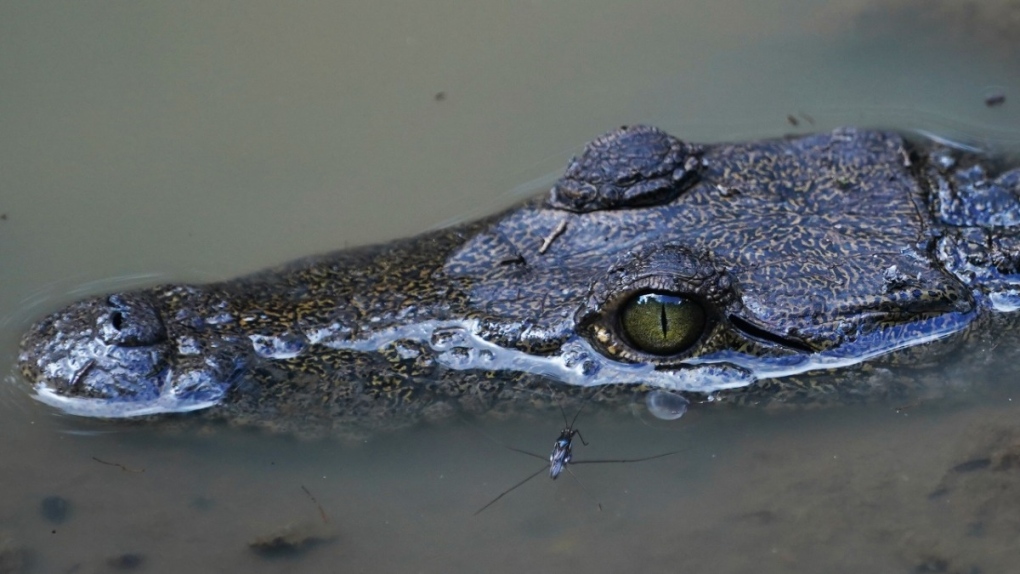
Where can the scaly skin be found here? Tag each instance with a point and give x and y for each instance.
(820, 263)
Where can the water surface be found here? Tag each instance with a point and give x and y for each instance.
(196, 141)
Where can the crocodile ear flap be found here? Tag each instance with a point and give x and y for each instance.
(633, 166)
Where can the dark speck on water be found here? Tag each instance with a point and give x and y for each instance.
(972, 465)
(932, 564)
(440, 96)
(55, 509)
(118, 465)
(126, 561)
(793, 121)
(995, 100)
(293, 539)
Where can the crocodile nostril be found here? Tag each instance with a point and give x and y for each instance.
(131, 320)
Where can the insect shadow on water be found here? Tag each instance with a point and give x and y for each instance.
(562, 456)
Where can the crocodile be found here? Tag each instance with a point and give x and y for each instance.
(826, 268)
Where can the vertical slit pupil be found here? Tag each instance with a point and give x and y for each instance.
(662, 323)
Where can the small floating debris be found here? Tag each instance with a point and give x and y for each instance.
(55, 509)
(322, 511)
(126, 561)
(293, 539)
(972, 465)
(118, 465)
(995, 100)
(793, 121)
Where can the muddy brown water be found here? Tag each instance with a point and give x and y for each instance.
(144, 142)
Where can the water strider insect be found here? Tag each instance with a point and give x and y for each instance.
(562, 456)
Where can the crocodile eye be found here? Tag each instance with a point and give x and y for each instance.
(662, 324)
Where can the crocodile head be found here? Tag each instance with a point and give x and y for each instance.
(716, 270)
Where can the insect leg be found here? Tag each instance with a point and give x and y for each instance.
(507, 491)
(642, 459)
(586, 491)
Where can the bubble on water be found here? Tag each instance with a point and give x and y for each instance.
(666, 405)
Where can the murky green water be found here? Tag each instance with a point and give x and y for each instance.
(200, 140)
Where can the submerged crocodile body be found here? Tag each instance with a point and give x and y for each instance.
(771, 271)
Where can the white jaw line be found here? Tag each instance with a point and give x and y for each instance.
(463, 349)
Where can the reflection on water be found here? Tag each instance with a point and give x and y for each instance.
(198, 142)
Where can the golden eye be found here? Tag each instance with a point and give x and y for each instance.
(662, 324)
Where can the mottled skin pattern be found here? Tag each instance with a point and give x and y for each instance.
(822, 263)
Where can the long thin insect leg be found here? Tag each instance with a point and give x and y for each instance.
(586, 491)
(603, 460)
(522, 451)
(507, 491)
(506, 446)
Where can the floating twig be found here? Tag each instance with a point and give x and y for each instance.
(322, 512)
(118, 465)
